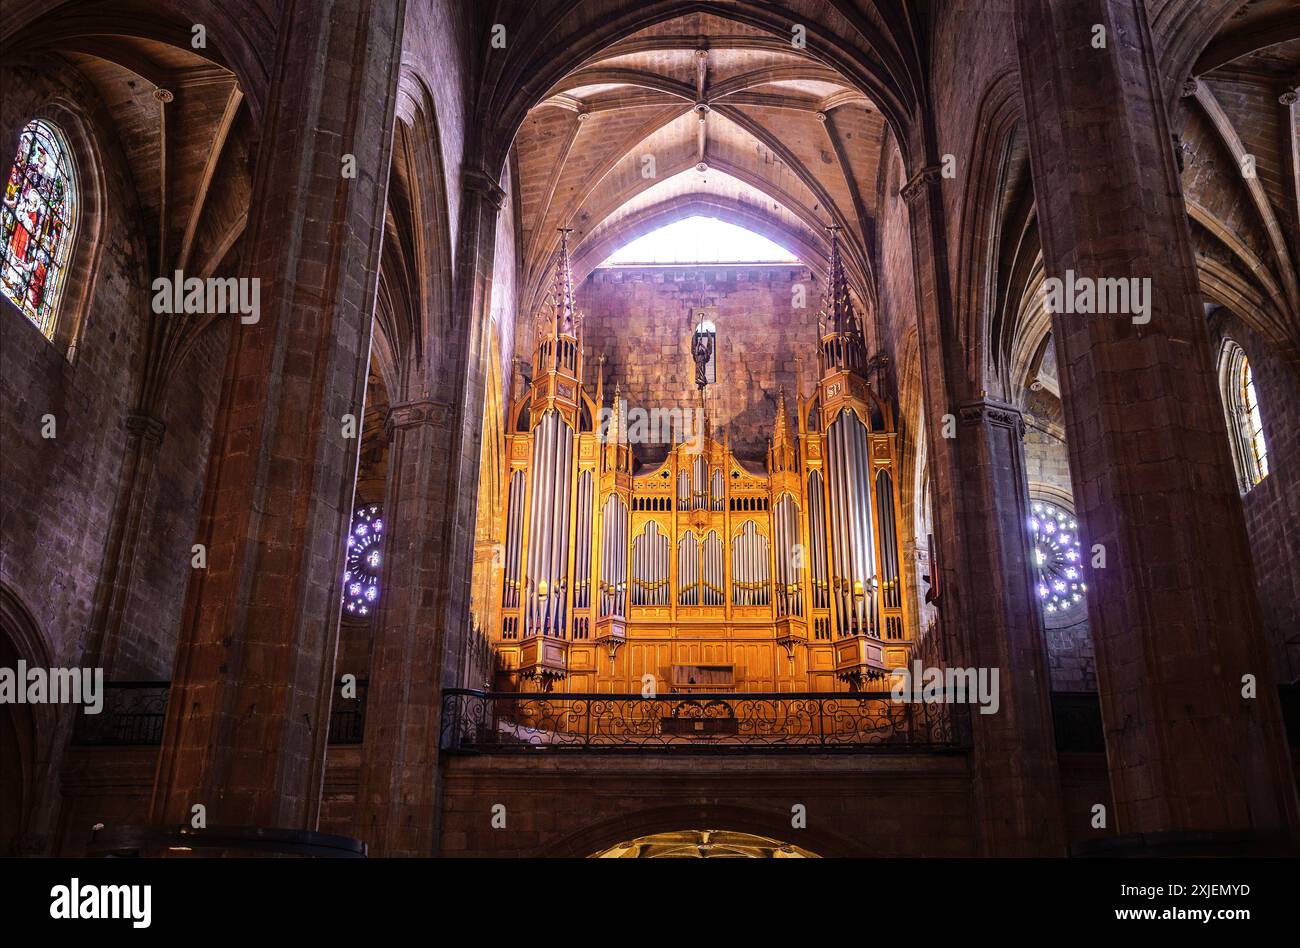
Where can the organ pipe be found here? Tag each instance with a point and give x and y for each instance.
(749, 563)
(548, 540)
(891, 592)
(853, 558)
(582, 568)
(514, 541)
(613, 568)
(688, 565)
(817, 539)
(785, 527)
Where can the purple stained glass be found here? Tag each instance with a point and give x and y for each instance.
(1057, 558)
(364, 558)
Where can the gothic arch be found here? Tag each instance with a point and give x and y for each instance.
(419, 233)
(513, 85)
(243, 43)
(774, 825)
(27, 731)
(983, 233)
(589, 254)
(1185, 30)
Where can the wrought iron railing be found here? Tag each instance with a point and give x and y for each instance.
(496, 722)
(132, 715)
(134, 711)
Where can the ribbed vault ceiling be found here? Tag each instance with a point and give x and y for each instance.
(698, 115)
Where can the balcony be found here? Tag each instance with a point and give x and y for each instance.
(134, 712)
(853, 722)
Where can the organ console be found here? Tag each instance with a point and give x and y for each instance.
(789, 578)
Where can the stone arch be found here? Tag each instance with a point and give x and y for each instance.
(774, 825)
(589, 253)
(1185, 30)
(417, 257)
(890, 88)
(980, 234)
(28, 733)
(236, 41)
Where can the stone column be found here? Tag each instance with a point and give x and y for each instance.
(248, 713)
(144, 434)
(1174, 617)
(423, 619)
(987, 611)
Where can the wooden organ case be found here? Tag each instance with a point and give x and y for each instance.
(703, 573)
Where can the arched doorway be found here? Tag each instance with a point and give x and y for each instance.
(703, 844)
(25, 729)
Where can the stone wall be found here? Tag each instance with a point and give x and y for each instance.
(639, 318)
(1272, 506)
(59, 493)
(1070, 659)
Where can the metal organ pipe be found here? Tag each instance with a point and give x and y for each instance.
(785, 527)
(839, 537)
(892, 593)
(851, 516)
(560, 550)
(548, 540)
(545, 512)
(514, 539)
(636, 570)
(663, 593)
(817, 535)
(582, 565)
(688, 563)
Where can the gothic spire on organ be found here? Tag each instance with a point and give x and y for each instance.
(844, 347)
(566, 317)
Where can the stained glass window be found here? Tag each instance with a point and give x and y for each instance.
(1254, 428)
(364, 558)
(1057, 558)
(37, 223)
(1241, 410)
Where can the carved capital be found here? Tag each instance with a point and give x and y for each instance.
(917, 184)
(986, 411)
(1190, 87)
(413, 414)
(146, 426)
(480, 182)
(1290, 97)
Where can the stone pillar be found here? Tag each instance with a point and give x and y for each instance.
(144, 434)
(248, 714)
(987, 611)
(1173, 613)
(423, 619)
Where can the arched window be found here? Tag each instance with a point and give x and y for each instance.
(37, 223)
(361, 576)
(699, 239)
(1241, 408)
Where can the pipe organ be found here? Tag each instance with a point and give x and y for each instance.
(788, 576)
